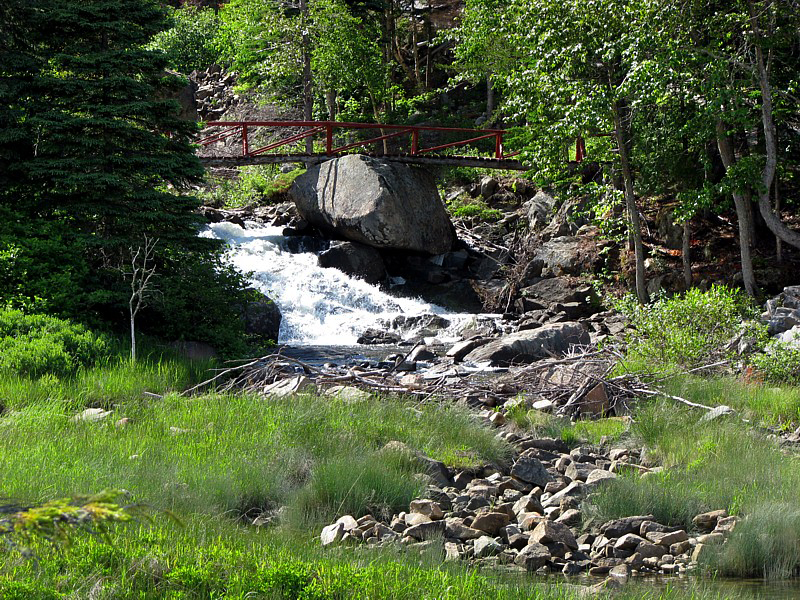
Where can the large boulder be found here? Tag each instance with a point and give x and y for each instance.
(358, 260)
(566, 255)
(530, 345)
(378, 203)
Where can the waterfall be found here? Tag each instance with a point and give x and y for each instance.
(319, 306)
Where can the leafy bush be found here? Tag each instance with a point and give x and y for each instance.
(189, 44)
(255, 185)
(35, 345)
(779, 364)
(687, 331)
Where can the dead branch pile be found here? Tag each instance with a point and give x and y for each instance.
(581, 384)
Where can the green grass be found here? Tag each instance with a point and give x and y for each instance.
(209, 558)
(763, 404)
(713, 465)
(238, 454)
(573, 433)
(114, 380)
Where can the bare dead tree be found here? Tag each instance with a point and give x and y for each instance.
(141, 267)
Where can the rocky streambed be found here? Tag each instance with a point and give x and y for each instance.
(528, 517)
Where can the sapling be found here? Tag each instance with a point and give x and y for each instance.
(142, 269)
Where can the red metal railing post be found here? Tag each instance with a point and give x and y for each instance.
(580, 149)
(498, 146)
(329, 139)
(414, 141)
(245, 143)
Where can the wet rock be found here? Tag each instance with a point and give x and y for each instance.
(528, 346)
(358, 260)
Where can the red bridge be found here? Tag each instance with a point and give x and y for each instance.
(231, 144)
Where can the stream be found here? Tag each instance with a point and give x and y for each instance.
(325, 311)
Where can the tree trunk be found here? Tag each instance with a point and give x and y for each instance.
(133, 333)
(622, 134)
(686, 254)
(330, 100)
(778, 242)
(744, 215)
(414, 41)
(489, 97)
(773, 221)
(308, 81)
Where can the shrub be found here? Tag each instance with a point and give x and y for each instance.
(687, 331)
(189, 44)
(465, 207)
(779, 363)
(35, 345)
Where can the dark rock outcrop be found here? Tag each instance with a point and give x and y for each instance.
(358, 260)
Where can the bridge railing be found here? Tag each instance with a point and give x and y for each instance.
(329, 129)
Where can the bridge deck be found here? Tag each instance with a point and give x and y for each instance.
(313, 159)
(413, 151)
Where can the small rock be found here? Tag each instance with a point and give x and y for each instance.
(629, 541)
(528, 468)
(548, 532)
(428, 508)
(91, 415)
(708, 521)
(332, 534)
(487, 546)
(667, 539)
(533, 556)
(491, 522)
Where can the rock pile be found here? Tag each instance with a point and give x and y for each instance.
(214, 94)
(782, 315)
(529, 518)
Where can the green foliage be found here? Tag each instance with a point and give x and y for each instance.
(473, 209)
(764, 404)
(257, 185)
(779, 363)
(35, 345)
(685, 331)
(189, 43)
(94, 158)
(57, 521)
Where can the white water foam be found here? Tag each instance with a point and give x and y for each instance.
(319, 306)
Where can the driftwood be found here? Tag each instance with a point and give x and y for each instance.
(565, 382)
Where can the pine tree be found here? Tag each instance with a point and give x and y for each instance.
(99, 156)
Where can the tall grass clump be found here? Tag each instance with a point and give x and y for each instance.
(686, 331)
(765, 544)
(708, 466)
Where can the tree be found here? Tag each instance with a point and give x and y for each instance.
(576, 67)
(98, 152)
(294, 49)
(141, 271)
(728, 55)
